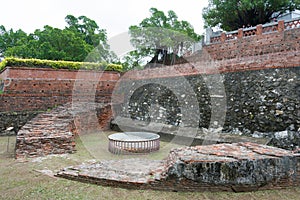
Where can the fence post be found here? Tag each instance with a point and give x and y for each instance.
(280, 25)
(240, 33)
(223, 37)
(208, 34)
(259, 29)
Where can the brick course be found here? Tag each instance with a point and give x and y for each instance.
(54, 132)
(30, 89)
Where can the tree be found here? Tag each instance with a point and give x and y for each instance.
(80, 40)
(134, 59)
(52, 44)
(10, 38)
(161, 37)
(233, 14)
(87, 28)
(90, 32)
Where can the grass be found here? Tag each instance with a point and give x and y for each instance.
(21, 179)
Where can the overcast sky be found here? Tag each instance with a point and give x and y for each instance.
(113, 15)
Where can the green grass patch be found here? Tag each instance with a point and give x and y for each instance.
(20, 179)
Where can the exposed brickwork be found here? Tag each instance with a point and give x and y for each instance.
(28, 89)
(275, 50)
(48, 133)
(54, 132)
(224, 167)
(256, 45)
(39, 89)
(91, 117)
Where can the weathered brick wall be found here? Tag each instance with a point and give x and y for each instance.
(54, 132)
(30, 90)
(273, 50)
(39, 89)
(88, 120)
(276, 42)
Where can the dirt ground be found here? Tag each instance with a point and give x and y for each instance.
(33, 178)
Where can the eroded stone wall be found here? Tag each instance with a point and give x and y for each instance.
(246, 85)
(11, 122)
(261, 100)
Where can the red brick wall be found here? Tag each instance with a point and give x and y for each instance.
(288, 40)
(272, 50)
(28, 89)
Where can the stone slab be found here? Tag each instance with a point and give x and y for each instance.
(221, 167)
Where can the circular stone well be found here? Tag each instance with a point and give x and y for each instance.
(133, 142)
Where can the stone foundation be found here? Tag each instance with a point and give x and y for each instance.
(234, 167)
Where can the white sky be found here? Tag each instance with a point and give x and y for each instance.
(113, 15)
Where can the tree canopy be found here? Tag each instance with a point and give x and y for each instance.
(81, 39)
(10, 38)
(161, 37)
(233, 14)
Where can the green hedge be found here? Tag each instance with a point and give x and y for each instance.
(37, 63)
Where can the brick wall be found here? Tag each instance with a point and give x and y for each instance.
(39, 89)
(285, 41)
(28, 89)
(54, 132)
(273, 50)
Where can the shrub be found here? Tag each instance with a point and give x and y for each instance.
(37, 63)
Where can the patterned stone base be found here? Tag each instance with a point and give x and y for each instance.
(234, 167)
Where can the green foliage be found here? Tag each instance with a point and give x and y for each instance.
(10, 38)
(161, 35)
(87, 28)
(17, 62)
(134, 59)
(233, 14)
(93, 36)
(52, 44)
(81, 40)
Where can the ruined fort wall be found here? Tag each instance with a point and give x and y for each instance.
(257, 76)
(29, 91)
(256, 79)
